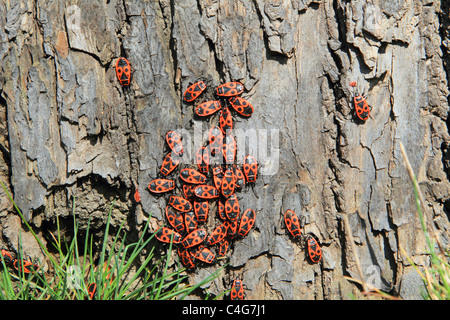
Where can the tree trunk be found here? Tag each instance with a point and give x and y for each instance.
(75, 138)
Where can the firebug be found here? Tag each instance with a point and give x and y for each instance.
(206, 192)
(292, 223)
(187, 257)
(314, 250)
(232, 227)
(137, 196)
(7, 256)
(240, 178)
(225, 120)
(250, 168)
(165, 234)
(170, 162)
(174, 142)
(247, 222)
(237, 290)
(28, 266)
(217, 177)
(91, 289)
(362, 108)
(190, 221)
(201, 209)
(221, 210)
(218, 234)
(188, 191)
(215, 138)
(194, 238)
(205, 255)
(242, 106)
(175, 219)
(161, 185)
(228, 183)
(229, 148)
(232, 209)
(223, 247)
(230, 89)
(193, 91)
(208, 108)
(202, 157)
(180, 204)
(190, 175)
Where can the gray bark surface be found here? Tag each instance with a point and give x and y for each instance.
(72, 133)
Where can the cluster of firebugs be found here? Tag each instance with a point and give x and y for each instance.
(186, 213)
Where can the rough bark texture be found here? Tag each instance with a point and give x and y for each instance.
(71, 133)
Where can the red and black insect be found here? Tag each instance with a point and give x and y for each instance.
(206, 192)
(91, 289)
(188, 191)
(250, 168)
(175, 219)
(240, 178)
(123, 71)
(217, 176)
(225, 120)
(232, 209)
(223, 247)
(208, 108)
(170, 162)
(237, 290)
(174, 142)
(362, 108)
(137, 196)
(228, 183)
(292, 223)
(194, 238)
(215, 138)
(242, 106)
(180, 204)
(187, 257)
(7, 257)
(190, 175)
(161, 185)
(193, 91)
(202, 157)
(314, 250)
(221, 210)
(229, 148)
(165, 234)
(218, 234)
(190, 221)
(201, 209)
(205, 255)
(232, 227)
(247, 222)
(230, 89)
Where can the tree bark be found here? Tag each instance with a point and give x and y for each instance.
(75, 138)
